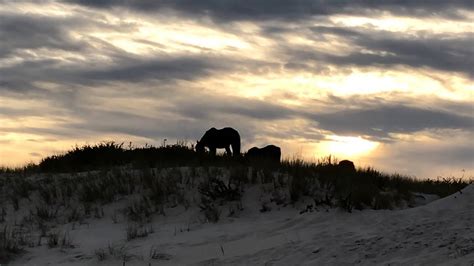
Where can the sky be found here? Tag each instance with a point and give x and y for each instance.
(387, 84)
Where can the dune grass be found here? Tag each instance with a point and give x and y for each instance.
(321, 180)
(72, 187)
(364, 188)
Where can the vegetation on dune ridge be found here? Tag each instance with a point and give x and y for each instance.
(109, 154)
(74, 186)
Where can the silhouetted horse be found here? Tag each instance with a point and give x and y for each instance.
(270, 153)
(220, 139)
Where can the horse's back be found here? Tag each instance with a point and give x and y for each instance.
(253, 151)
(271, 149)
(223, 132)
(273, 152)
(230, 132)
(222, 138)
(346, 167)
(269, 153)
(211, 132)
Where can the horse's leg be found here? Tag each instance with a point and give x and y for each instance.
(227, 150)
(212, 150)
(236, 148)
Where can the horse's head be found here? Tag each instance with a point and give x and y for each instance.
(199, 147)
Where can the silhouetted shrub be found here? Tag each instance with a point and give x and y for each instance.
(140, 210)
(384, 201)
(215, 193)
(53, 239)
(137, 231)
(216, 189)
(9, 244)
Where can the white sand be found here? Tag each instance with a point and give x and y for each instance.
(439, 233)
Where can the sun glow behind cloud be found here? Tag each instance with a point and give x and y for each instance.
(344, 146)
(407, 24)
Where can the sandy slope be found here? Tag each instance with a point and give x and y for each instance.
(440, 233)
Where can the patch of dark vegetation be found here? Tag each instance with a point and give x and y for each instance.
(10, 244)
(22, 170)
(215, 193)
(138, 231)
(110, 154)
(330, 184)
(119, 252)
(216, 190)
(140, 210)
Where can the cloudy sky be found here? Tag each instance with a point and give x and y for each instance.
(384, 83)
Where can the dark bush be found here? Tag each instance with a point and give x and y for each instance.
(9, 244)
(215, 193)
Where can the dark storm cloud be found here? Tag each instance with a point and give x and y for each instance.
(21, 32)
(110, 121)
(233, 10)
(34, 32)
(376, 123)
(20, 77)
(371, 118)
(446, 54)
(380, 121)
(205, 106)
(385, 49)
(188, 112)
(31, 37)
(28, 31)
(189, 118)
(168, 68)
(91, 122)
